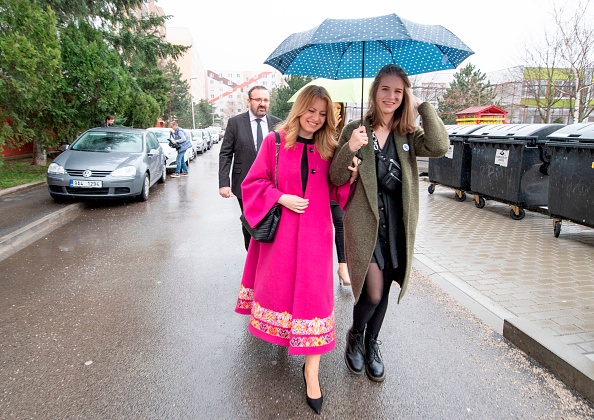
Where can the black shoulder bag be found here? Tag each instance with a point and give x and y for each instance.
(266, 229)
(389, 172)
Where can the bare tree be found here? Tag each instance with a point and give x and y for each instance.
(546, 82)
(576, 34)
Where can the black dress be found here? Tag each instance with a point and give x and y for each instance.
(390, 247)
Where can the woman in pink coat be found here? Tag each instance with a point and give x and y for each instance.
(287, 285)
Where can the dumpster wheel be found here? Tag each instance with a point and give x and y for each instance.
(517, 213)
(431, 188)
(556, 227)
(479, 201)
(459, 196)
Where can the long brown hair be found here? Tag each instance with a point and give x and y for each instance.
(404, 118)
(324, 138)
(342, 122)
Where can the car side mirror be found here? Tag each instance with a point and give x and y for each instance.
(64, 147)
(153, 152)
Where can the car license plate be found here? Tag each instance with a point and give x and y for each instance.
(87, 184)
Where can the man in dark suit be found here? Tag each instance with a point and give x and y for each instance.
(243, 134)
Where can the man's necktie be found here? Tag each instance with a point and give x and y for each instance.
(259, 135)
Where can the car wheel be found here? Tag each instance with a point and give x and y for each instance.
(144, 194)
(163, 175)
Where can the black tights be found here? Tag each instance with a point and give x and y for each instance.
(371, 307)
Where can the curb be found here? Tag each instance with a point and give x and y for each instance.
(26, 235)
(569, 366)
(22, 187)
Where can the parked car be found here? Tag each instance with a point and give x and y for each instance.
(215, 134)
(206, 137)
(199, 141)
(170, 153)
(108, 162)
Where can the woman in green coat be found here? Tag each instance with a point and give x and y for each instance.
(381, 216)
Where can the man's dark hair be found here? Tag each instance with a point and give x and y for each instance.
(254, 88)
(109, 117)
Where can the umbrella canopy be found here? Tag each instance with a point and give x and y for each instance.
(351, 48)
(345, 90)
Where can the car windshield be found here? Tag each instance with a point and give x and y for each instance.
(100, 141)
(163, 136)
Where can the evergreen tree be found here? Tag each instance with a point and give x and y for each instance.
(204, 112)
(179, 105)
(279, 101)
(29, 75)
(469, 88)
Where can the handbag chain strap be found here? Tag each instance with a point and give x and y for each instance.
(276, 159)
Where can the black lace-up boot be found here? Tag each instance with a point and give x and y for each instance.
(353, 355)
(374, 366)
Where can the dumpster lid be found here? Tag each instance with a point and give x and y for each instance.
(581, 132)
(537, 131)
(461, 129)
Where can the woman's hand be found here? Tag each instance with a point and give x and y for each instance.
(293, 202)
(358, 139)
(354, 168)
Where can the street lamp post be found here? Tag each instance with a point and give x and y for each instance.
(192, 100)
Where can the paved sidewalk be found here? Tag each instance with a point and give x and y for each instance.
(536, 289)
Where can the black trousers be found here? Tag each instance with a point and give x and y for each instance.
(246, 235)
(337, 215)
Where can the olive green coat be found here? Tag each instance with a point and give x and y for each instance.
(361, 218)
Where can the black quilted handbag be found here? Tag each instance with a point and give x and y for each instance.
(266, 229)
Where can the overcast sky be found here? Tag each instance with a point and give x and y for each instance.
(240, 34)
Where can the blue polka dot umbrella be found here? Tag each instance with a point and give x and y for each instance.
(350, 48)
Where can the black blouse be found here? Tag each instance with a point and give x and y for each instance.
(304, 161)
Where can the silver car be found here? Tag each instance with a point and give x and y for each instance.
(108, 163)
(199, 142)
(170, 153)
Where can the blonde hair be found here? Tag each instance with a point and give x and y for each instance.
(404, 118)
(324, 138)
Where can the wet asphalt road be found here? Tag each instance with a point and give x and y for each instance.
(127, 313)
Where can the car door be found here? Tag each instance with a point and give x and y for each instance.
(153, 159)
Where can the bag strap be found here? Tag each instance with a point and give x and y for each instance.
(276, 159)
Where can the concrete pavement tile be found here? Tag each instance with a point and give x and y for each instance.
(566, 329)
(588, 336)
(586, 347)
(553, 314)
(520, 310)
(569, 320)
(543, 323)
(571, 339)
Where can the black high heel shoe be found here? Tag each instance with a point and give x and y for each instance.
(314, 404)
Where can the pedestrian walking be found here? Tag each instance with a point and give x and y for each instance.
(180, 138)
(287, 285)
(337, 213)
(242, 140)
(381, 218)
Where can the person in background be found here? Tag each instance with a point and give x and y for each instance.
(381, 218)
(240, 145)
(179, 137)
(109, 120)
(337, 213)
(287, 285)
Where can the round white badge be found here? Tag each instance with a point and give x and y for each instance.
(406, 147)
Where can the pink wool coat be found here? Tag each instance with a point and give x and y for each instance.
(287, 287)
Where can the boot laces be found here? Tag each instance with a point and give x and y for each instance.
(374, 349)
(357, 341)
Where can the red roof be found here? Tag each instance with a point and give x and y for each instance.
(482, 110)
